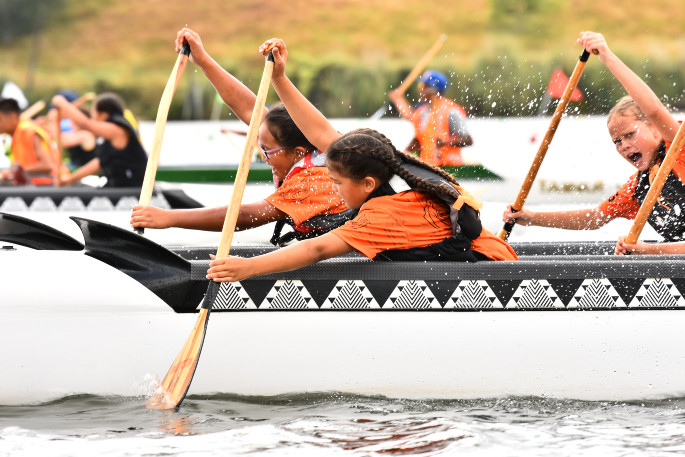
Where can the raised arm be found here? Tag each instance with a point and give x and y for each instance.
(308, 119)
(117, 135)
(645, 98)
(235, 94)
(400, 101)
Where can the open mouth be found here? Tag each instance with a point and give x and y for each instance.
(634, 157)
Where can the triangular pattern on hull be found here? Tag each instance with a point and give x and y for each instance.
(657, 293)
(350, 295)
(289, 294)
(412, 295)
(232, 296)
(596, 293)
(535, 294)
(472, 293)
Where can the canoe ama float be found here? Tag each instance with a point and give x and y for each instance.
(567, 320)
(263, 173)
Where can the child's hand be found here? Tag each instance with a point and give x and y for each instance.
(595, 43)
(228, 269)
(277, 46)
(623, 248)
(150, 217)
(197, 51)
(520, 217)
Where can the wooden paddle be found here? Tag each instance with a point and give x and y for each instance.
(160, 123)
(173, 388)
(85, 98)
(542, 150)
(32, 110)
(418, 68)
(656, 186)
(58, 144)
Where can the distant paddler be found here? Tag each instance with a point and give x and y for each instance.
(34, 155)
(439, 123)
(121, 157)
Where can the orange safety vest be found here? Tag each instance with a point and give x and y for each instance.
(431, 122)
(24, 154)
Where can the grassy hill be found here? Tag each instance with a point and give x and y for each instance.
(127, 45)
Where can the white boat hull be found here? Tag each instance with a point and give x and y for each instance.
(103, 333)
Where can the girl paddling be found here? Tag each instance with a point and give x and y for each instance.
(415, 224)
(641, 128)
(305, 198)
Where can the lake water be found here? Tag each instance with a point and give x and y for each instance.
(337, 424)
(334, 424)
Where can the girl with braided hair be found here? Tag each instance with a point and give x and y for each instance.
(435, 220)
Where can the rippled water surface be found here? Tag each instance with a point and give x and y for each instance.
(336, 424)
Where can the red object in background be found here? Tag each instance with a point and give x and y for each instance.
(557, 86)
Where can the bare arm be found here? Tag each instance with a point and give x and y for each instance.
(581, 219)
(645, 98)
(90, 168)
(115, 134)
(211, 219)
(310, 121)
(237, 96)
(403, 106)
(639, 247)
(291, 257)
(81, 138)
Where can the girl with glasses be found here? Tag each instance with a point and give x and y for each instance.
(305, 198)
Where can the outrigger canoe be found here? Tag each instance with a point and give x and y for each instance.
(83, 198)
(108, 316)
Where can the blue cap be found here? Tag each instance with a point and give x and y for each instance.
(435, 79)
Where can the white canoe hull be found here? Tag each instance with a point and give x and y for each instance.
(100, 332)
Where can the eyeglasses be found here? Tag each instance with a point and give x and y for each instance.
(268, 152)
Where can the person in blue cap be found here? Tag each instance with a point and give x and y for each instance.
(439, 123)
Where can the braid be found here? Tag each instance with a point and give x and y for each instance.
(367, 152)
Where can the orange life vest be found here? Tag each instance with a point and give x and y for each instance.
(432, 123)
(23, 152)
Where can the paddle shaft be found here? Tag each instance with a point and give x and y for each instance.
(542, 150)
(173, 388)
(418, 68)
(160, 124)
(421, 64)
(656, 186)
(32, 110)
(58, 143)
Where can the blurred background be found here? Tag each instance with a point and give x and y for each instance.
(344, 54)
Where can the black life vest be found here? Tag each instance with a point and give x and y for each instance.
(466, 224)
(668, 215)
(122, 167)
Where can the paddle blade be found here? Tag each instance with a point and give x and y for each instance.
(174, 387)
